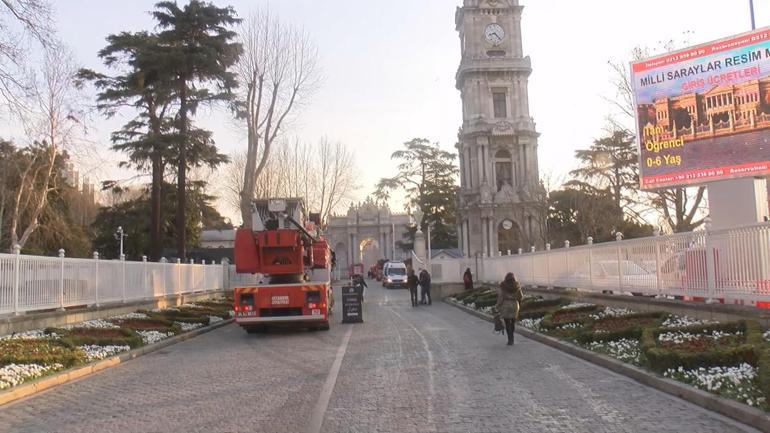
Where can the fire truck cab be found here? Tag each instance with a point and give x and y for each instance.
(293, 260)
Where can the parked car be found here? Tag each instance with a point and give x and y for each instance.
(394, 275)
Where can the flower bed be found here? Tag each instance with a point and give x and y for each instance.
(624, 349)
(729, 359)
(32, 354)
(736, 382)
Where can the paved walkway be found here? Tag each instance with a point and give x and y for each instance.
(426, 369)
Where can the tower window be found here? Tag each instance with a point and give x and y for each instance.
(498, 100)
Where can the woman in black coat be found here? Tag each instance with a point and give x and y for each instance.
(468, 279)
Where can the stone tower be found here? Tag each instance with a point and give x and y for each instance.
(500, 203)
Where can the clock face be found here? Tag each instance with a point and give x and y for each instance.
(494, 34)
(507, 224)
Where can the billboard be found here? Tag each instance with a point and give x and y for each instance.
(703, 113)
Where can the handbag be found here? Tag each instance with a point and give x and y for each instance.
(499, 326)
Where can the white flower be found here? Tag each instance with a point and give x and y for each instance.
(611, 312)
(626, 350)
(96, 323)
(679, 337)
(682, 321)
(571, 325)
(577, 305)
(150, 337)
(14, 374)
(94, 352)
(29, 335)
(130, 316)
(531, 323)
(188, 326)
(734, 382)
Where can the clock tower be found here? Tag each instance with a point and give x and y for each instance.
(500, 203)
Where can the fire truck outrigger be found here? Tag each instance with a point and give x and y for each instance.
(293, 259)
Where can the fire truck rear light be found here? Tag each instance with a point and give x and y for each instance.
(312, 305)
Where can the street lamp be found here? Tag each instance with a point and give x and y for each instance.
(120, 234)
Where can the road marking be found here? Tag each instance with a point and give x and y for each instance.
(317, 420)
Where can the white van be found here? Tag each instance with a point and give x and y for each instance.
(394, 275)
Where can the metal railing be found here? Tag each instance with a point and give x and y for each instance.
(32, 283)
(732, 265)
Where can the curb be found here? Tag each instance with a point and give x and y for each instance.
(732, 409)
(48, 382)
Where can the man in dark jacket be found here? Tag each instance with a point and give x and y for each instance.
(411, 283)
(425, 284)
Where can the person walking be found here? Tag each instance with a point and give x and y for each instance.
(468, 279)
(411, 283)
(358, 281)
(508, 297)
(425, 285)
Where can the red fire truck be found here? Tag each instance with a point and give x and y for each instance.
(293, 259)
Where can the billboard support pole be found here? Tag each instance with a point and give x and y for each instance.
(753, 23)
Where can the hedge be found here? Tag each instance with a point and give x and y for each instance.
(660, 359)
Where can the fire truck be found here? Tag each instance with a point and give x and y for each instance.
(294, 262)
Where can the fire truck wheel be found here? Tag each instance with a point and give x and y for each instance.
(323, 326)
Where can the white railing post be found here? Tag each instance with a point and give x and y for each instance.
(590, 262)
(618, 238)
(203, 283)
(532, 263)
(16, 277)
(165, 275)
(61, 279)
(96, 278)
(656, 245)
(710, 265)
(566, 256)
(123, 270)
(145, 278)
(548, 266)
(178, 288)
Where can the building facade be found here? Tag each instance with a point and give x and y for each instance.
(366, 234)
(501, 201)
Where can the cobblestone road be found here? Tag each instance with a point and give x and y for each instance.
(429, 369)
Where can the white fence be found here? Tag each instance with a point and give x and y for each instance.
(731, 265)
(29, 283)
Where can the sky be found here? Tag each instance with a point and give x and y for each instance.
(389, 68)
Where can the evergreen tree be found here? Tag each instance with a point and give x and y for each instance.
(131, 215)
(428, 175)
(197, 52)
(611, 166)
(148, 138)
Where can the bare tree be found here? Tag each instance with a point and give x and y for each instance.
(277, 72)
(20, 22)
(336, 176)
(323, 175)
(51, 117)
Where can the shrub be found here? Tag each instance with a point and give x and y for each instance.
(99, 337)
(149, 324)
(180, 316)
(39, 351)
(537, 309)
(620, 327)
(746, 350)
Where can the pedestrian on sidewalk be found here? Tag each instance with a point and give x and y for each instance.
(411, 283)
(425, 285)
(468, 279)
(508, 297)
